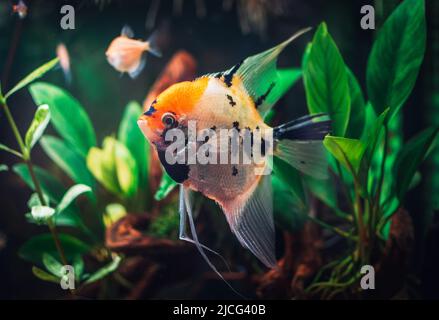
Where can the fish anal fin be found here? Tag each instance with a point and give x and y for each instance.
(137, 69)
(250, 217)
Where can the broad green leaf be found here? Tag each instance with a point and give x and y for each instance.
(52, 265)
(32, 250)
(396, 57)
(409, 159)
(349, 152)
(42, 213)
(372, 138)
(131, 136)
(37, 73)
(104, 271)
(38, 125)
(165, 187)
(126, 170)
(43, 275)
(71, 195)
(357, 114)
(70, 161)
(286, 79)
(370, 118)
(7, 149)
(67, 116)
(101, 164)
(113, 212)
(53, 189)
(326, 81)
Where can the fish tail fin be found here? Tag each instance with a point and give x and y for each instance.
(153, 48)
(299, 143)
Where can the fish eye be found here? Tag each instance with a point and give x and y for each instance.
(169, 120)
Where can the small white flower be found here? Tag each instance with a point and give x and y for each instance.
(42, 212)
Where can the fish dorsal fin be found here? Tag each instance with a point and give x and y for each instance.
(259, 74)
(251, 220)
(127, 31)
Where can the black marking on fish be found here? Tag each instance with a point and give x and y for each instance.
(213, 128)
(229, 76)
(218, 75)
(236, 125)
(231, 101)
(262, 98)
(257, 128)
(206, 138)
(151, 109)
(178, 172)
(263, 147)
(234, 171)
(302, 162)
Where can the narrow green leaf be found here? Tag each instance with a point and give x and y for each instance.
(358, 109)
(38, 125)
(52, 265)
(165, 187)
(37, 73)
(104, 271)
(70, 161)
(43, 275)
(409, 159)
(349, 152)
(131, 136)
(67, 116)
(126, 170)
(78, 266)
(326, 81)
(71, 195)
(396, 57)
(32, 250)
(7, 149)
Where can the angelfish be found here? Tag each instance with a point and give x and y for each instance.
(126, 54)
(237, 98)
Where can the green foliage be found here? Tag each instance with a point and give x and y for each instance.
(67, 116)
(104, 271)
(34, 248)
(37, 73)
(165, 187)
(349, 152)
(396, 57)
(357, 114)
(67, 159)
(409, 159)
(326, 81)
(38, 125)
(45, 276)
(130, 135)
(166, 224)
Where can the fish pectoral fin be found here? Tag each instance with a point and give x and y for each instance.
(127, 31)
(137, 69)
(252, 222)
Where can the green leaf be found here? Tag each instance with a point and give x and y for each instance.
(34, 200)
(326, 81)
(113, 212)
(101, 163)
(71, 195)
(372, 138)
(70, 161)
(7, 149)
(43, 275)
(38, 125)
(165, 187)
(67, 116)
(42, 213)
(349, 152)
(3, 167)
(357, 114)
(33, 249)
(52, 265)
(104, 271)
(409, 159)
(126, 170)
(131, 136)
(396, 57)
(37, 73)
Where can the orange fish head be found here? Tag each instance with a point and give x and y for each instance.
(171, 109)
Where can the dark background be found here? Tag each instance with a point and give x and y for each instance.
(217, 42)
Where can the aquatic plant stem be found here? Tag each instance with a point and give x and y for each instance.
(25, 154)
